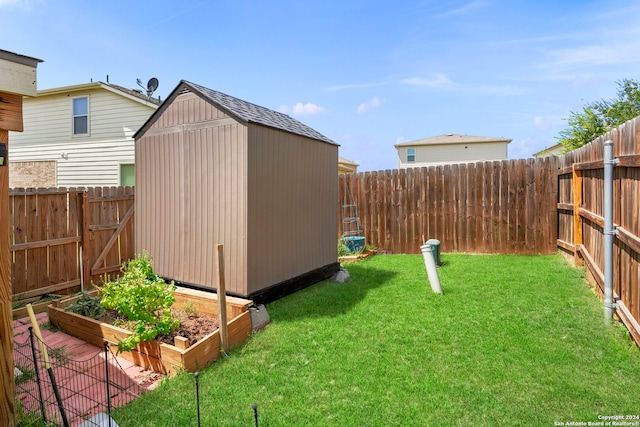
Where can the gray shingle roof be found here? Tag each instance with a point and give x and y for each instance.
(256, 114)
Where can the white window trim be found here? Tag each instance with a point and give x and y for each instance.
(73, 116)
(411, 152)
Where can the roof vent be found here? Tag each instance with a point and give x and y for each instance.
(185, 90)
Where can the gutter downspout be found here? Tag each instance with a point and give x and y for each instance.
(609, 231)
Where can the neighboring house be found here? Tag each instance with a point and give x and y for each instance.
(450, 148)
(346, 166)
(554, 150)
(79, 135)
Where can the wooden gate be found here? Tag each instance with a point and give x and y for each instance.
(62, 239)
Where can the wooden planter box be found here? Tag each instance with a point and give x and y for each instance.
(155, 355)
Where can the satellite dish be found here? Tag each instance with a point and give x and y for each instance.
(152, 85)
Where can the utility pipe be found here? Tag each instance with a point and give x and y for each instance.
(430, 265)
(609, 231)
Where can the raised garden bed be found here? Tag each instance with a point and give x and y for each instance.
(161, 357)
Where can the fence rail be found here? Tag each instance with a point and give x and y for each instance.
(487, 207)
(62, 238)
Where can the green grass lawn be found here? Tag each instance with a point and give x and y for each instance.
(514, 340)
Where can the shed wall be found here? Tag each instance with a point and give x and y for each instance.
(191, 193)
(292, 201)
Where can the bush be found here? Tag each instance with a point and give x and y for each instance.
(144, 298)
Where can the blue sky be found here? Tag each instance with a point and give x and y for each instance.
(367, 74)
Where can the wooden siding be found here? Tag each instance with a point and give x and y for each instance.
(292, 198)
(191, 181)
(430, 155)
(91, 160)
(484, 207)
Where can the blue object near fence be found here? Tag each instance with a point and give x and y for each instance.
(354, 243)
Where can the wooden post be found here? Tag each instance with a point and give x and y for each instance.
(86, 238)
(577, 219)
(7, 382)
(17, 78)
(222, 301)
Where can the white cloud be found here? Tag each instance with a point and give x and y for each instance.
(439, 81)
(307, 109)
(301, 109)
(369, 105)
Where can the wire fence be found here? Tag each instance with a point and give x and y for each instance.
(68, 392)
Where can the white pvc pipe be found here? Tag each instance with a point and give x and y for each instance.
(432, 271)
(609, 231)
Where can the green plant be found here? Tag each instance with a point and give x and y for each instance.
(189, 308)
(59, 354)
(87, 305)
(25, 374)
(30, 419)
(343, 249)
(49, 327)
(143, 297)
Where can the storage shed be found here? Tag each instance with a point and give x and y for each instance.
(213, 169)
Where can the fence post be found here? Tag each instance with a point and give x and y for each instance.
(222, 301)
(86, 266)
(105, 344)
(577, 219)
(196, 375)
(37, 371)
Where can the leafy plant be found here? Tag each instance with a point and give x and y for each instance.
(30, 419)
(343, 250)
(189, 308)
(87, 305)
(25, 374)
(59, 353)
(143, 297)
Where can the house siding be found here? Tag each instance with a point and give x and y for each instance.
(191, 193)
(89, 160)
(429, 155)
(292, 200)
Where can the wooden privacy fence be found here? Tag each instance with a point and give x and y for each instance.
(581, 222)
(63, 237)
(487, 207)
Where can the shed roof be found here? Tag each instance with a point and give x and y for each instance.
(451, 138)
(242, 110)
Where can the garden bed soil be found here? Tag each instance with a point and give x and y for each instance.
(192, 347)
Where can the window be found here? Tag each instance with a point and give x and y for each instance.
(411, 155)
(127, 175)
(81, 116)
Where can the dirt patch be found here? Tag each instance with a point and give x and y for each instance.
(193, 326)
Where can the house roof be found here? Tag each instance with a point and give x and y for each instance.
(451, 138)
(243, 111)
(19, 59)
(347, 162)
(133, 94)
(553, 150)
